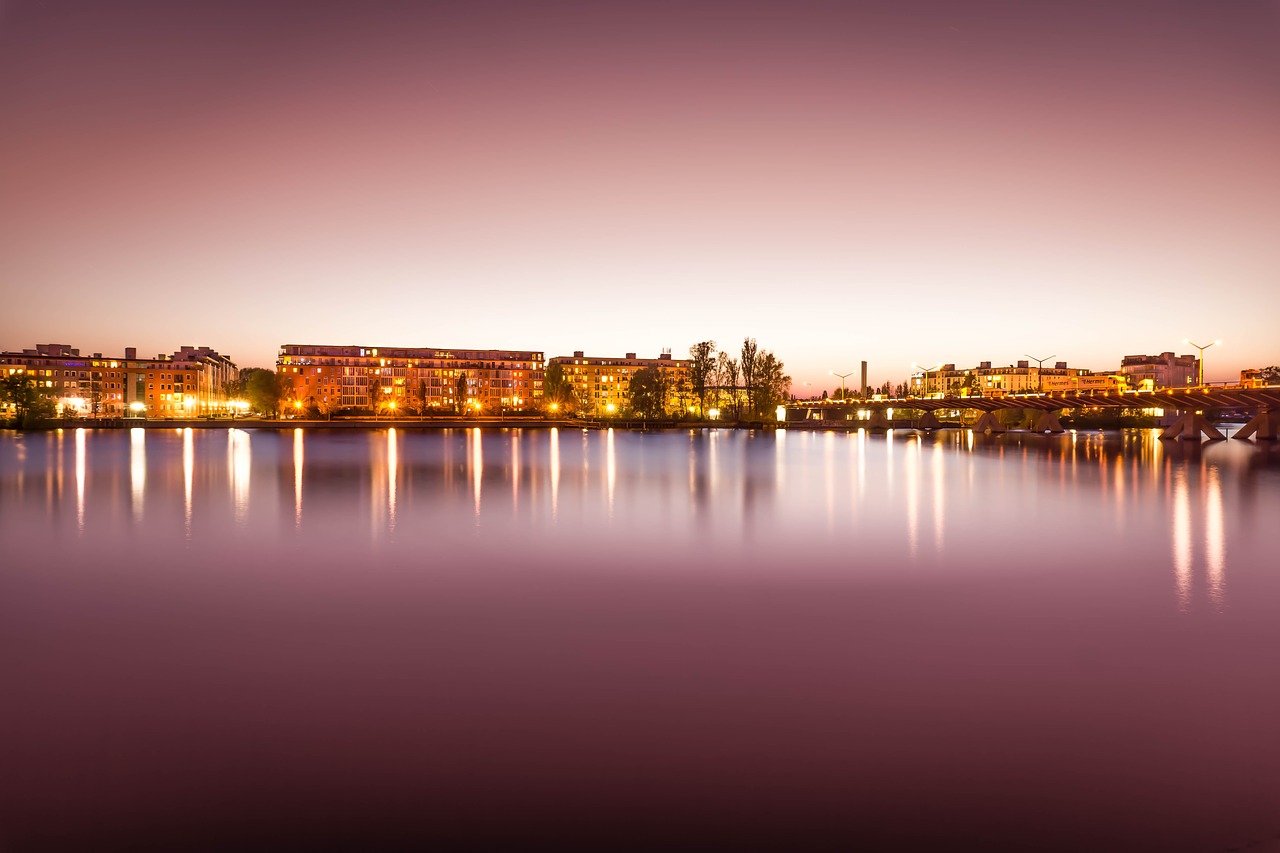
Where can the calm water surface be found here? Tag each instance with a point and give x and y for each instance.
(251, 639)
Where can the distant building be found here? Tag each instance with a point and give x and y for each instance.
(332, 378)
(1166, 370)
(187, 383)
(603, 381)
(1019, 378)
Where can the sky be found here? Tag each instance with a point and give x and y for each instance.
(897, 181)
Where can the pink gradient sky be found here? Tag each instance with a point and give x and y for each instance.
(897, 181)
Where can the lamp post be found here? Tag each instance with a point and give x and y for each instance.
(843, 377)
(925, 371)
(1039, 368)
(1200, 360)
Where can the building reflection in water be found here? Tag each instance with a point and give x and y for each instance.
(80, 467)
(137, 470)
(515, 470)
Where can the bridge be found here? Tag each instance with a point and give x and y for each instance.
(1190, 403)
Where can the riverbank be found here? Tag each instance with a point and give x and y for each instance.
(435, 422)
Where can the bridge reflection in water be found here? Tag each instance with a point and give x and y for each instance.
(1191, 404)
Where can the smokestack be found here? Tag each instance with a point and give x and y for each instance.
(864, 379)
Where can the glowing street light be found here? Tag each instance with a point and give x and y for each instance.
(843, 377)
(137, 407)
(1200, 361)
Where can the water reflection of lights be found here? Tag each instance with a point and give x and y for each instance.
(611, 466)
(555, 470)
(515, 470)
(241, 463)
(188, 477)
(779, 459)
(137, 469)
(911, 473)
(1182, 555)
(477, 465)
(393, 468)
(1215, 537)
(829, 476)
(80, 466)
(297, 477)
(939, 496)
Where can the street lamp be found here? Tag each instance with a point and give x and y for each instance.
(842, 376)
(1039, 368)
(1200, 377)
(926, 371)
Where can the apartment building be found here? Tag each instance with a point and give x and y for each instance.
(187, 383)
(1019, 378)
(1166, 370)
(603, 381)
(332, 378)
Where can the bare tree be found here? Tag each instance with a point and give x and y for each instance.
(702, 367)
(750, 366)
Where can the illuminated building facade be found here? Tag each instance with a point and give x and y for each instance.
(603, 382)
(187, 383)
(1020, 378)
(1166, 370)
(333, 378)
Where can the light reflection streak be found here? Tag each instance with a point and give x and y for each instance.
(555, 470)
(611, 467)
(911, 471)
(1215, 538)
(137, 469)
(241, 463)
(80, 466)
(780, 459)
(188, 477)
(297, 477)
(829, 476)
(477, 465)
(939, 497)
(515, 470)
(393, 470)
(1182, 538)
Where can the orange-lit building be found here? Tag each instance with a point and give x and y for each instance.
(603, 382)
(333, 378)
(187, 383)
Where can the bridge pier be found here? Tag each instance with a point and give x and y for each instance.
(1189, 426)
(988, 423)
(1262, 426)
(1048, 421)
(879, 420)
(928, 421)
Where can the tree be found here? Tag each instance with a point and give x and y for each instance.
(261, 389)
(1270, 375)
(702, 367)
(647, 391)
(557, 389)
(748, 363)
(28, 401)
(727, 378)
(460, 391)
(772, 383)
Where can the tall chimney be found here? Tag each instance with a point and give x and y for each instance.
(864, 379)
